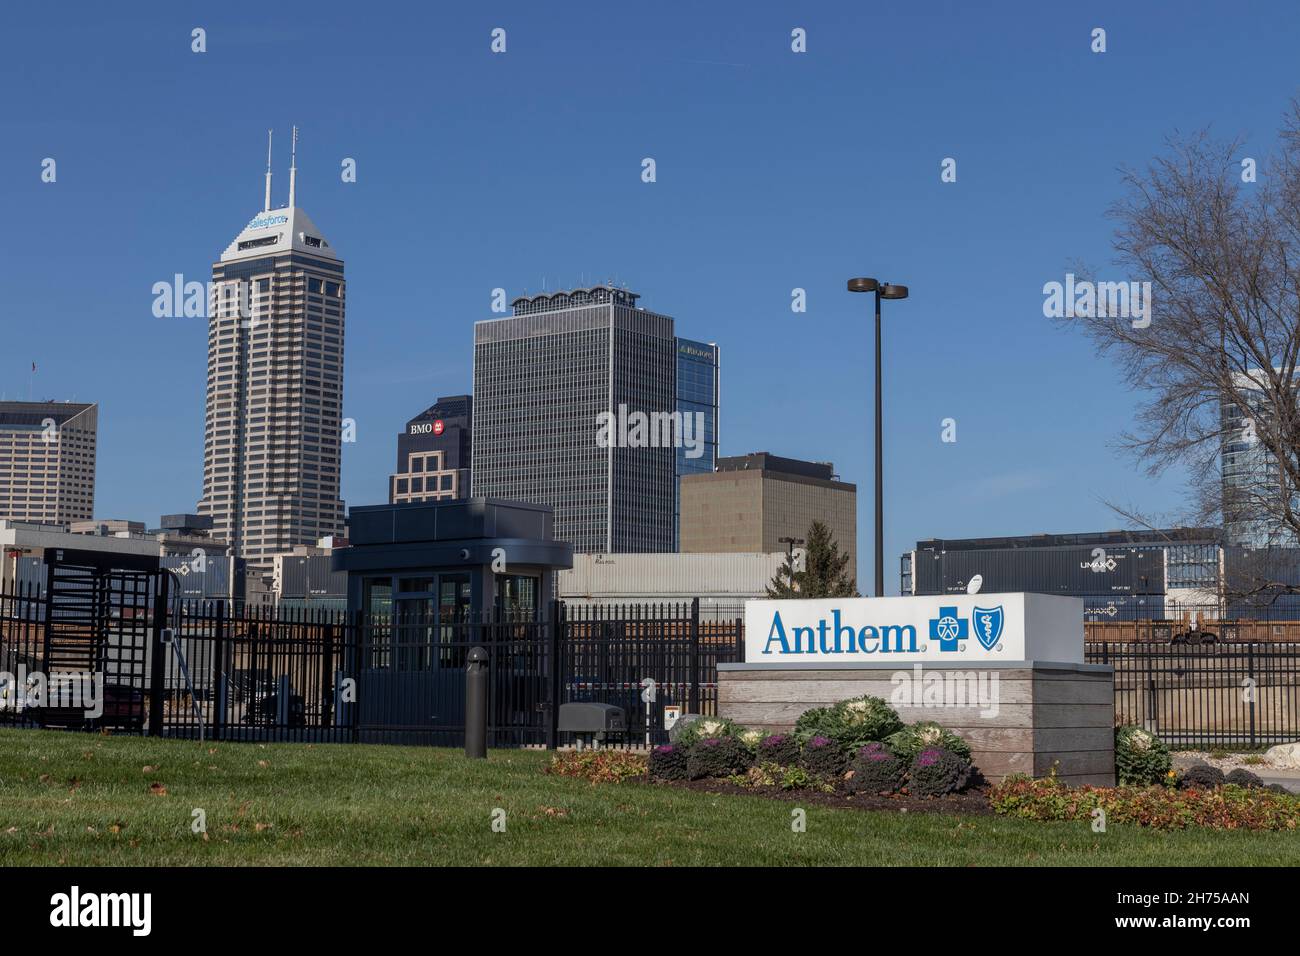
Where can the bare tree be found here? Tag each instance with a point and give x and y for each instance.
(1217, 362)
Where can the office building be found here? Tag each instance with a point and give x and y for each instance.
(575, 406)
(433, 454)
(47, 461)
(1248, 471)
(699, 386)
(275, 386)
(751, 502)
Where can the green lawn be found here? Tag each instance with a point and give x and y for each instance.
(122, 801)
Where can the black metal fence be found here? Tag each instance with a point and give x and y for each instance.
(185, 669)
(1207, 695)
(205, 669)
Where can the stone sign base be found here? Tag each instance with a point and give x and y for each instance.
(1018, 717)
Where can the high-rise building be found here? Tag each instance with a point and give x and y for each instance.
(699, 386)
(47, 461)
(563, 392)
(275, 385)
(755, 502)
(1249, 477)
(433, 453)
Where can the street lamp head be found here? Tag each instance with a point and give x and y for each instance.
(863, 285)
(888, 291)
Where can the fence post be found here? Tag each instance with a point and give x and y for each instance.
(157, 660)
(1151, 696)
(219, 673)
(695, 657)
(1254, 690)
(555, 650)
(477, 665)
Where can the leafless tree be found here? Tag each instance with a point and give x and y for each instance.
(1217, 363)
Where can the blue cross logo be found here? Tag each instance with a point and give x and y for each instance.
(947, 629)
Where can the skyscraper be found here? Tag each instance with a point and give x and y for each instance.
(433, 453)
(275, 385)
(47, 461)
(544, 381)
(699, 387)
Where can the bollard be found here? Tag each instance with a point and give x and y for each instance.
(476, 701)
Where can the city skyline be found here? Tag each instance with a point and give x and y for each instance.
(761, 189)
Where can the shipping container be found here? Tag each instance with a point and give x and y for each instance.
(308, 577)
(1079, 571)
(724, 578)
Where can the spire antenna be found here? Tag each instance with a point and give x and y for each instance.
(293, 169)
(267, 206)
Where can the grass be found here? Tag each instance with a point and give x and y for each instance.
(73, 799)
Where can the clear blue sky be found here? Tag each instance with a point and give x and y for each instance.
(775, 171)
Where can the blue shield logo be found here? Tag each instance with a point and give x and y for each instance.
(988, 623)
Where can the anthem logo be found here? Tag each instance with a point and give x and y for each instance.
(950, 630)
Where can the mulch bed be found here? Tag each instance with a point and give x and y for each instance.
(973, 802)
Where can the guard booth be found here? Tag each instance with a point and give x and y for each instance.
(429, 581)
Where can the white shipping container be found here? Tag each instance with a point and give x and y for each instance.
(720, 578)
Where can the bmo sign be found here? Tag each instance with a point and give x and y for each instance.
(428, 428)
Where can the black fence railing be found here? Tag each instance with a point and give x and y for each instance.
(260, 674)
(186, 669)
(1207, 695)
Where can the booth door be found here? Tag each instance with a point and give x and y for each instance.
(417, 640)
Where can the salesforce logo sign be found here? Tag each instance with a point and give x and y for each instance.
(265, 222)
(1006, 627)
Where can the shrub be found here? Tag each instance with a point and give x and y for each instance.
(876, 770)
(716, 757)
(702, 728)
(914, 738)
(668, 762)
(821, 755)
(937, 773)
(598, 766)
(1243, 778)
(850, 723)
(1201, 776)
(1225, 808)
(1141, 758)
(762, 775)
(779, 749)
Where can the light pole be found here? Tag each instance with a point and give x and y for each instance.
(883, 290)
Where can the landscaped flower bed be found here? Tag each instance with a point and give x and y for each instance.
(1160, 807)
(837, 752)
(913, 770)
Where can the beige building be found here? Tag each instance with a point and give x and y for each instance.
(47, 461)
(273, 427)
(753, 501)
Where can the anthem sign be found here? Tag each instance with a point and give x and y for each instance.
(980, 628)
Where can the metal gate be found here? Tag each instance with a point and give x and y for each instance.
(103, 616)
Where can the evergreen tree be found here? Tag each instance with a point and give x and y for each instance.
(824, 570)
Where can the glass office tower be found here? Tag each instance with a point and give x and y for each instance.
(698, 392)
(542, 380)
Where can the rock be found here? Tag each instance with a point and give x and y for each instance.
(1286, 756)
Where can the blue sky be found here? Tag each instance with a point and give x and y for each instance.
(775, 170)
